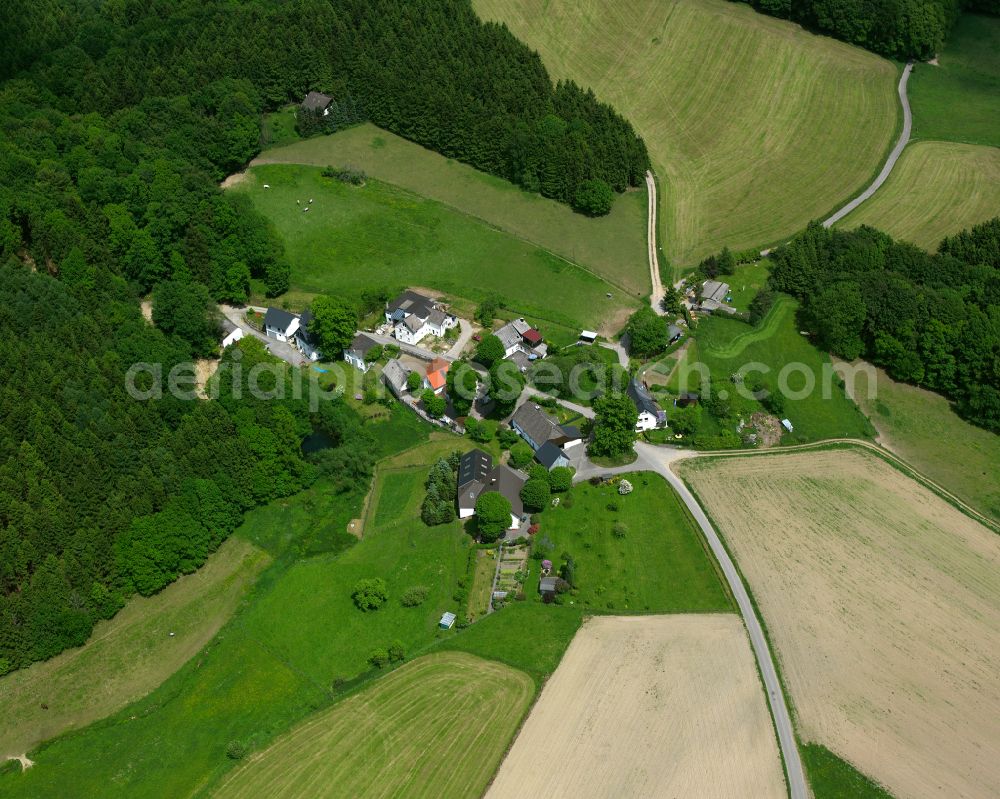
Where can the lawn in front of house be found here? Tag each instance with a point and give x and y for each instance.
(640, 552)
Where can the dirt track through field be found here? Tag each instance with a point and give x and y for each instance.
(883, 605)
(651, 706)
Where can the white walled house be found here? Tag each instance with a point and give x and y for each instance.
(230, 333)
(651, 416)
(280, 324)
(477, 474)
(360, 347)
(415, 316)
(304, 341)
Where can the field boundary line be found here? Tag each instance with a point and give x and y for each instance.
(890, 457)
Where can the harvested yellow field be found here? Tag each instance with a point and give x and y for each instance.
(652, 706)
(883, 604)
(937, 189)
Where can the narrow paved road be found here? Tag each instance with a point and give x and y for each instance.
(619, 350)
(904, 137)
(656, 297)
(659, 459)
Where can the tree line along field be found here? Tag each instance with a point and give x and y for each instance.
(753, 125)
(882, 605)
(959, 98)
(128, 656)
(613, 246)
(437, 727)
(354, 238)
(921, 427)
(649, 706)
(935, 190)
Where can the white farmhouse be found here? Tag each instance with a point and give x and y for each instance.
(651, 415)
(280, 324)
(415, 316)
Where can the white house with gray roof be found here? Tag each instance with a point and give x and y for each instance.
(651, 415)
(415, 316)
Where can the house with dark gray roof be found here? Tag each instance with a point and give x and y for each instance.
(478, 474)
(414, 315)
(537, 428)
(360, 347)
(713, 297)
(317, 103)
(550, 455)
(651, 415)
(280, 324)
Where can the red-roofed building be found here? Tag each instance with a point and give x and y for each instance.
(532, 337)
(436, 375)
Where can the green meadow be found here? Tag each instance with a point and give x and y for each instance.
(613, 246)
(354, 238)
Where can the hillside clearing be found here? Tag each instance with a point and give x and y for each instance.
(753, 125)
(959, 98)
(381, 236)
(612, 246)
(920, 426)
(882, 604)
(437, 727)
(649, 706)
(128, 656)
(936, 189)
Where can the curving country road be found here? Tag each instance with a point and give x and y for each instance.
(658, 459)
(904, 137)
(656, 298)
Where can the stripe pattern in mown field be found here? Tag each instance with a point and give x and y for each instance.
(753, 125)
(936, 189)
(435, 728)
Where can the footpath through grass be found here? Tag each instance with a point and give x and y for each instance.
(753, 125)
(959, 100)
(613, 246)
(936, 189)
(353, 238)
(722, 347)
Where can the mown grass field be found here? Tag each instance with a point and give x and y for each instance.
(613, 246)
(355, 238)
(128, 656)
(660, 565)
(437, 727)
(936, 189)
(833, 778)
(959, 100)
(920, 426)
(753, 125)
(721, 347)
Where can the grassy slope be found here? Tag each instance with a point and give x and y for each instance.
(922, 428)
(833, 778)
(129, 655)
(725, 345)
(613, 246)
(659, 566)
(936, 189)
(354, 238)
(959, 100)
(753, 125)
(445, 707)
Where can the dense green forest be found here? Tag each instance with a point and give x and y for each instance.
(429, 70)
(932, 320)
(117, 120)
(895, 28)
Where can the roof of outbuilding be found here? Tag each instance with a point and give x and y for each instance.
(394, 374)
(536, 424)
(549, 454)
(316, 101)
(362, 345)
